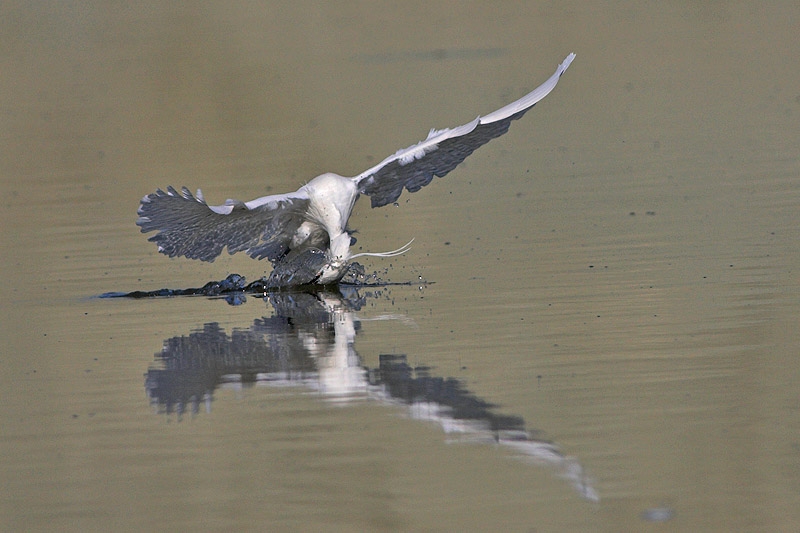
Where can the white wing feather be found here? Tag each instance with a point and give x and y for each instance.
(414, 167)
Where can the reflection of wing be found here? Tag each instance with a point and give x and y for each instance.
(189, 227)
(415, 166)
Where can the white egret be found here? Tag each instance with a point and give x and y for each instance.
(313, 220)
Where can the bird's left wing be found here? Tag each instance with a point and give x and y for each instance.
(415, 166)
(188, 226)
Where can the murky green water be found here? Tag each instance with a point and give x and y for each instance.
(616, 276)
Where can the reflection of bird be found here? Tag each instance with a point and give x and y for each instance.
(314, 218)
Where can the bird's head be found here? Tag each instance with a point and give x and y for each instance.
(338, 255)
(338, 258)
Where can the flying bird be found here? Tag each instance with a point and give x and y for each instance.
(309, 226)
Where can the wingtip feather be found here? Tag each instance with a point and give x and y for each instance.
(533, 97)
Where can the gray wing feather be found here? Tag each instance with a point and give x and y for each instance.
(189, 227)
(443, 150)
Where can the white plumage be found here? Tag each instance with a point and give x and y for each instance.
(314, 218)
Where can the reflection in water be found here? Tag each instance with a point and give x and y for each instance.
(309, 342)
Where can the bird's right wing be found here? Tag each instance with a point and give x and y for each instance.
(414, 167)
(188, 226)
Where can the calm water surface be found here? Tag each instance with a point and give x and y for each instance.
(608, 339)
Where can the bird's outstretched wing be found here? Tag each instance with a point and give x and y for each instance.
(189, 227)
(415, 166)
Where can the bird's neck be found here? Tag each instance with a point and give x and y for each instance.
(340, 248)
(331, 201)
(338, 255)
